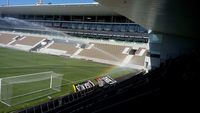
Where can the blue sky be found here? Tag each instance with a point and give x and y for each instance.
(22, 2)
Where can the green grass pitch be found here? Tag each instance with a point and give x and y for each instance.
(14, 63)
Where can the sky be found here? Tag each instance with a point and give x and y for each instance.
(28, 2)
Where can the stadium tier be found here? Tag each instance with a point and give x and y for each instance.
(110, 53)
(28, 40)
(105, 51)
(6, 38)
(139, 57)
(69, 48)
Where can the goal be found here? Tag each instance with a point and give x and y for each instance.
(20, 89)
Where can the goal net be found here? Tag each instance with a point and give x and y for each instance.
(19, 89)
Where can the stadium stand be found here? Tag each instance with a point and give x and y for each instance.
(68, 47)
(138, 60)
(116, 27)
(6, 38)
(28, 40)
(27, 43)
(41, 45)
(105, 52)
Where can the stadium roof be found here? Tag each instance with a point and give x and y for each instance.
(58, 9)
(179, 17)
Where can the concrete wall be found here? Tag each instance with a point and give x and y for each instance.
(169, 46)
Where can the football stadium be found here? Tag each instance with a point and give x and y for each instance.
(97, 56)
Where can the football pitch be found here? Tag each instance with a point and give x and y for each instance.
(15, 63)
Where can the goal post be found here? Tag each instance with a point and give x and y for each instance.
(19, 89)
